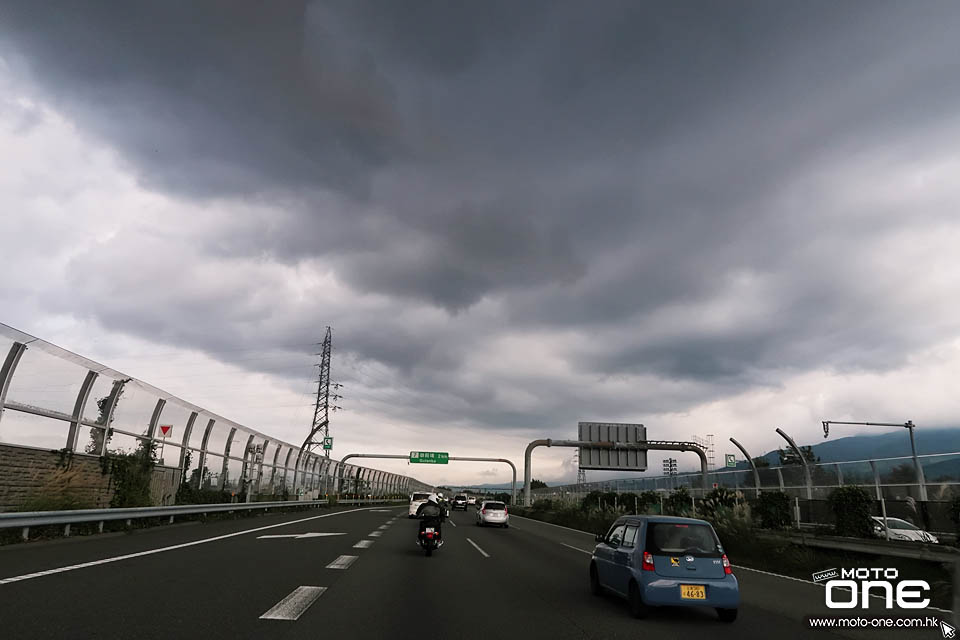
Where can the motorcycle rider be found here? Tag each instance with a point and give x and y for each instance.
(431, 514)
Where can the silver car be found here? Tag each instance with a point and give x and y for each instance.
(901, 530)
(493, 513)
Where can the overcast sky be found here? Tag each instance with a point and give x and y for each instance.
(706, 217)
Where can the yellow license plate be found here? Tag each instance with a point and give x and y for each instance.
(693, 592)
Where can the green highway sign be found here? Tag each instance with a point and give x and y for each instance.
(731, 460)
(429, 457)
(328, 442)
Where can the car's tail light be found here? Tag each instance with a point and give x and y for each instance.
(429, 535)
(647, 564)
(726, 565)
(483, 511)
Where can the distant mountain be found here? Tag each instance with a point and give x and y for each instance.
(882, 445)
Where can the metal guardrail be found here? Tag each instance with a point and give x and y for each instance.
(26, 519)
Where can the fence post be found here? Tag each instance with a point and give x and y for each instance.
(693, 505)
(796, 510)
(876, 479)
(883, 510)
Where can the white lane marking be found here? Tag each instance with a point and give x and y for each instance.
(150, 552)
(453, 523)
(363, 544)
(343, 562)
(293, 606)
(818, 584)
(737, 566)
(550, 524)
(375, 534)
(482, 552)
(383, 526)
(589, 553)
(301, 535)
(380, 511)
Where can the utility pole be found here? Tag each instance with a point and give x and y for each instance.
(320, 428)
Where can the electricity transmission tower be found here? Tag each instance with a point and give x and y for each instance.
(320, 428)
(707, 445)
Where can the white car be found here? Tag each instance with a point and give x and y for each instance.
(902, 530)
(471, 500)
(416, 500)
(494, 513)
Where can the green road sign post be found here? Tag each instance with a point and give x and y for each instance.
(429, 457)
(731, 460)
(328, 443)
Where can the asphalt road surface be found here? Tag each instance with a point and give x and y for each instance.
(361, 575)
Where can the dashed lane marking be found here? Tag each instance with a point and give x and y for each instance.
(84, 565)
(343, 562)
(293, 606)
(363, 544)
(482, 552)
(375, 534)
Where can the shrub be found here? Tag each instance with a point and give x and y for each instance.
(543, 504)
(591, 501)
(638, 503)
(851, 510)
(772, 509)
(131, 475)
(718, 503)
(678, 503)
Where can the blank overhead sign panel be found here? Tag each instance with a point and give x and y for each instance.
(612, 459)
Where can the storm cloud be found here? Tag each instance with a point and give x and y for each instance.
(518, 213)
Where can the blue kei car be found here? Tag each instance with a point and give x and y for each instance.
(662, 561)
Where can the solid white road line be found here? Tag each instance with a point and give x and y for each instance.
(301, 535)
(343, 562)
(550, 524)
(150, 552)
(293, 606)
(363, 544)
(375, 534)
(589, 553)
(453, 523)
(482, 552)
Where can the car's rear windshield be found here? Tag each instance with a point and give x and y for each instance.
(460, 498)
(495, 506)
(689, 539)
(421, 496)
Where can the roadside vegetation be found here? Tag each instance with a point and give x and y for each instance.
(745, 526)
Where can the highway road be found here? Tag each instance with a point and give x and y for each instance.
(358, 573)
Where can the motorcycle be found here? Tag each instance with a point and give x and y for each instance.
(429, 540)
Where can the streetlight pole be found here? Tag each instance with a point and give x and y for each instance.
(908, 425)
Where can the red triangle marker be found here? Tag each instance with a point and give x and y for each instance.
(166, 429)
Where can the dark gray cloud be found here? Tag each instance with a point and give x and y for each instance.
(628, 173)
